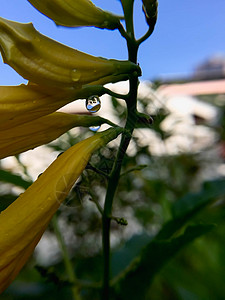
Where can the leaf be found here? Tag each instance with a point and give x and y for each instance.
(123, 257)
(136, 280)
(191, 204)
(49, 274)
(6, 200)
(6, 176)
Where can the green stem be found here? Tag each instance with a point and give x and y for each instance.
(113, 94)
(138, 168)
(112, 185)
(146, 36)
(91, 167)
(25, 171)
(123, 32)
(66, 259)
(125, 140)
(128, 8)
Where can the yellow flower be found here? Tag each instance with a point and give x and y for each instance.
(42, 131)
(76, 13)
(24, 221)
(46, 62)
(24, 103)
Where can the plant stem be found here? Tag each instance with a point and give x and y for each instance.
(131, 102)
(66, 259)
(112, 186)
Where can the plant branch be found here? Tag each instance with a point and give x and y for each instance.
(113, 94)
(138, 168)
(123, 32)
(132, 117)
(100, 209)
(146, 36)
(66, 259)
(91, 167)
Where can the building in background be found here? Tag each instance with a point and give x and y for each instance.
(212, 68)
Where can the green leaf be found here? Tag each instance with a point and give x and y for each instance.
(192, 202)
(6, 200)
(124, 256)
(135, 281)
(188, 206)
(17, 180)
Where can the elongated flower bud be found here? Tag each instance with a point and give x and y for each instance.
(46, 62)
(24, 103)
(150, 8)
(24, 221)
(76, 13)
(42, 131)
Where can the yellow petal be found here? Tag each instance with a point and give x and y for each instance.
(24, 103)
(46, 62)
(76, 13)
(24, 221)
(42, 131)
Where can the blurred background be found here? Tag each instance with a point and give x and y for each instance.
(180, 156)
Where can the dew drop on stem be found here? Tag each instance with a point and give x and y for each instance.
(93, 103)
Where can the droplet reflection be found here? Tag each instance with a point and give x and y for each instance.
(93, 104)
(94, 128)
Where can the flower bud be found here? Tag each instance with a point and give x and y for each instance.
(150, 8)
(24, 221)
(42, 131)
(44, 61)
(24, 103)
(76, 13)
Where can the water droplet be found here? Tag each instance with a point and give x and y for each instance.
(93, 104)
(75, 74)
(94, 128)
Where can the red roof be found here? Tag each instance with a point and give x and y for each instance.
(193, 88)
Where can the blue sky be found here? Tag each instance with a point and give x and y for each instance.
(187, 33)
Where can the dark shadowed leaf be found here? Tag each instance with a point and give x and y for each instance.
(134, 283)
(17, 180)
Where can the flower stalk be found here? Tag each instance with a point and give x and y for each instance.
(66, 259)
(125, 140)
